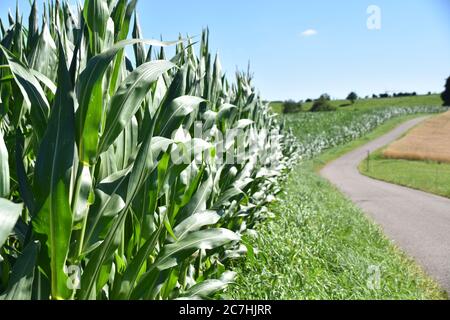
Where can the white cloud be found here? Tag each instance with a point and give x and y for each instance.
(309, 33)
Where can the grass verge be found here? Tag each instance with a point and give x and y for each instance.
(321, 246)
(429, 176)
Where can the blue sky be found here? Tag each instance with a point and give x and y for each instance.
(411, 51)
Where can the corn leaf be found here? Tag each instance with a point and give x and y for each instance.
(96, 15)
(145, 163)
(31, 90)
(22, 276)
(172, 254)
(90, 99)
(207, 288)
(121, 17)
(25, 189)
(195, 223)
(53, 165)
(9, 213)
(174, 114)
(139, 49)
(4, 169)
(198, 201)
(128, 99)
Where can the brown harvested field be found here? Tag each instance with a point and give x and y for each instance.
(428, 141)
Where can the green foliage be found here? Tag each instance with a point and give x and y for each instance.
(428, 176)
(404, 94)
(90, 144)
(352, 96)
(323, 104)
(446, 94)
(291, 106)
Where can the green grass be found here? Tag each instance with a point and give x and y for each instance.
(321, 246)
(428, 176)
(423, 100)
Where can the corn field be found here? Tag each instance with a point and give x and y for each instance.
(113, 183)
(316, 132)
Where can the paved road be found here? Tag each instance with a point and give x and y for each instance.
(418, 222)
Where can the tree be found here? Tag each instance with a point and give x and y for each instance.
(446, 94)
(323, 104)
(352, 97)
(291, 106)
(325, 96)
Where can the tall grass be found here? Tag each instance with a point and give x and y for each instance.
(95, 203)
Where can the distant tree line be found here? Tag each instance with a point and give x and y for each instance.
(395, 95)
(323, 103)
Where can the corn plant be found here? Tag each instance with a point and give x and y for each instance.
(112, 179)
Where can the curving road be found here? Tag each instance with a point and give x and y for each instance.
(418, 222)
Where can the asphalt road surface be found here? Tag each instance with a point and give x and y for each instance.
(417, 222)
